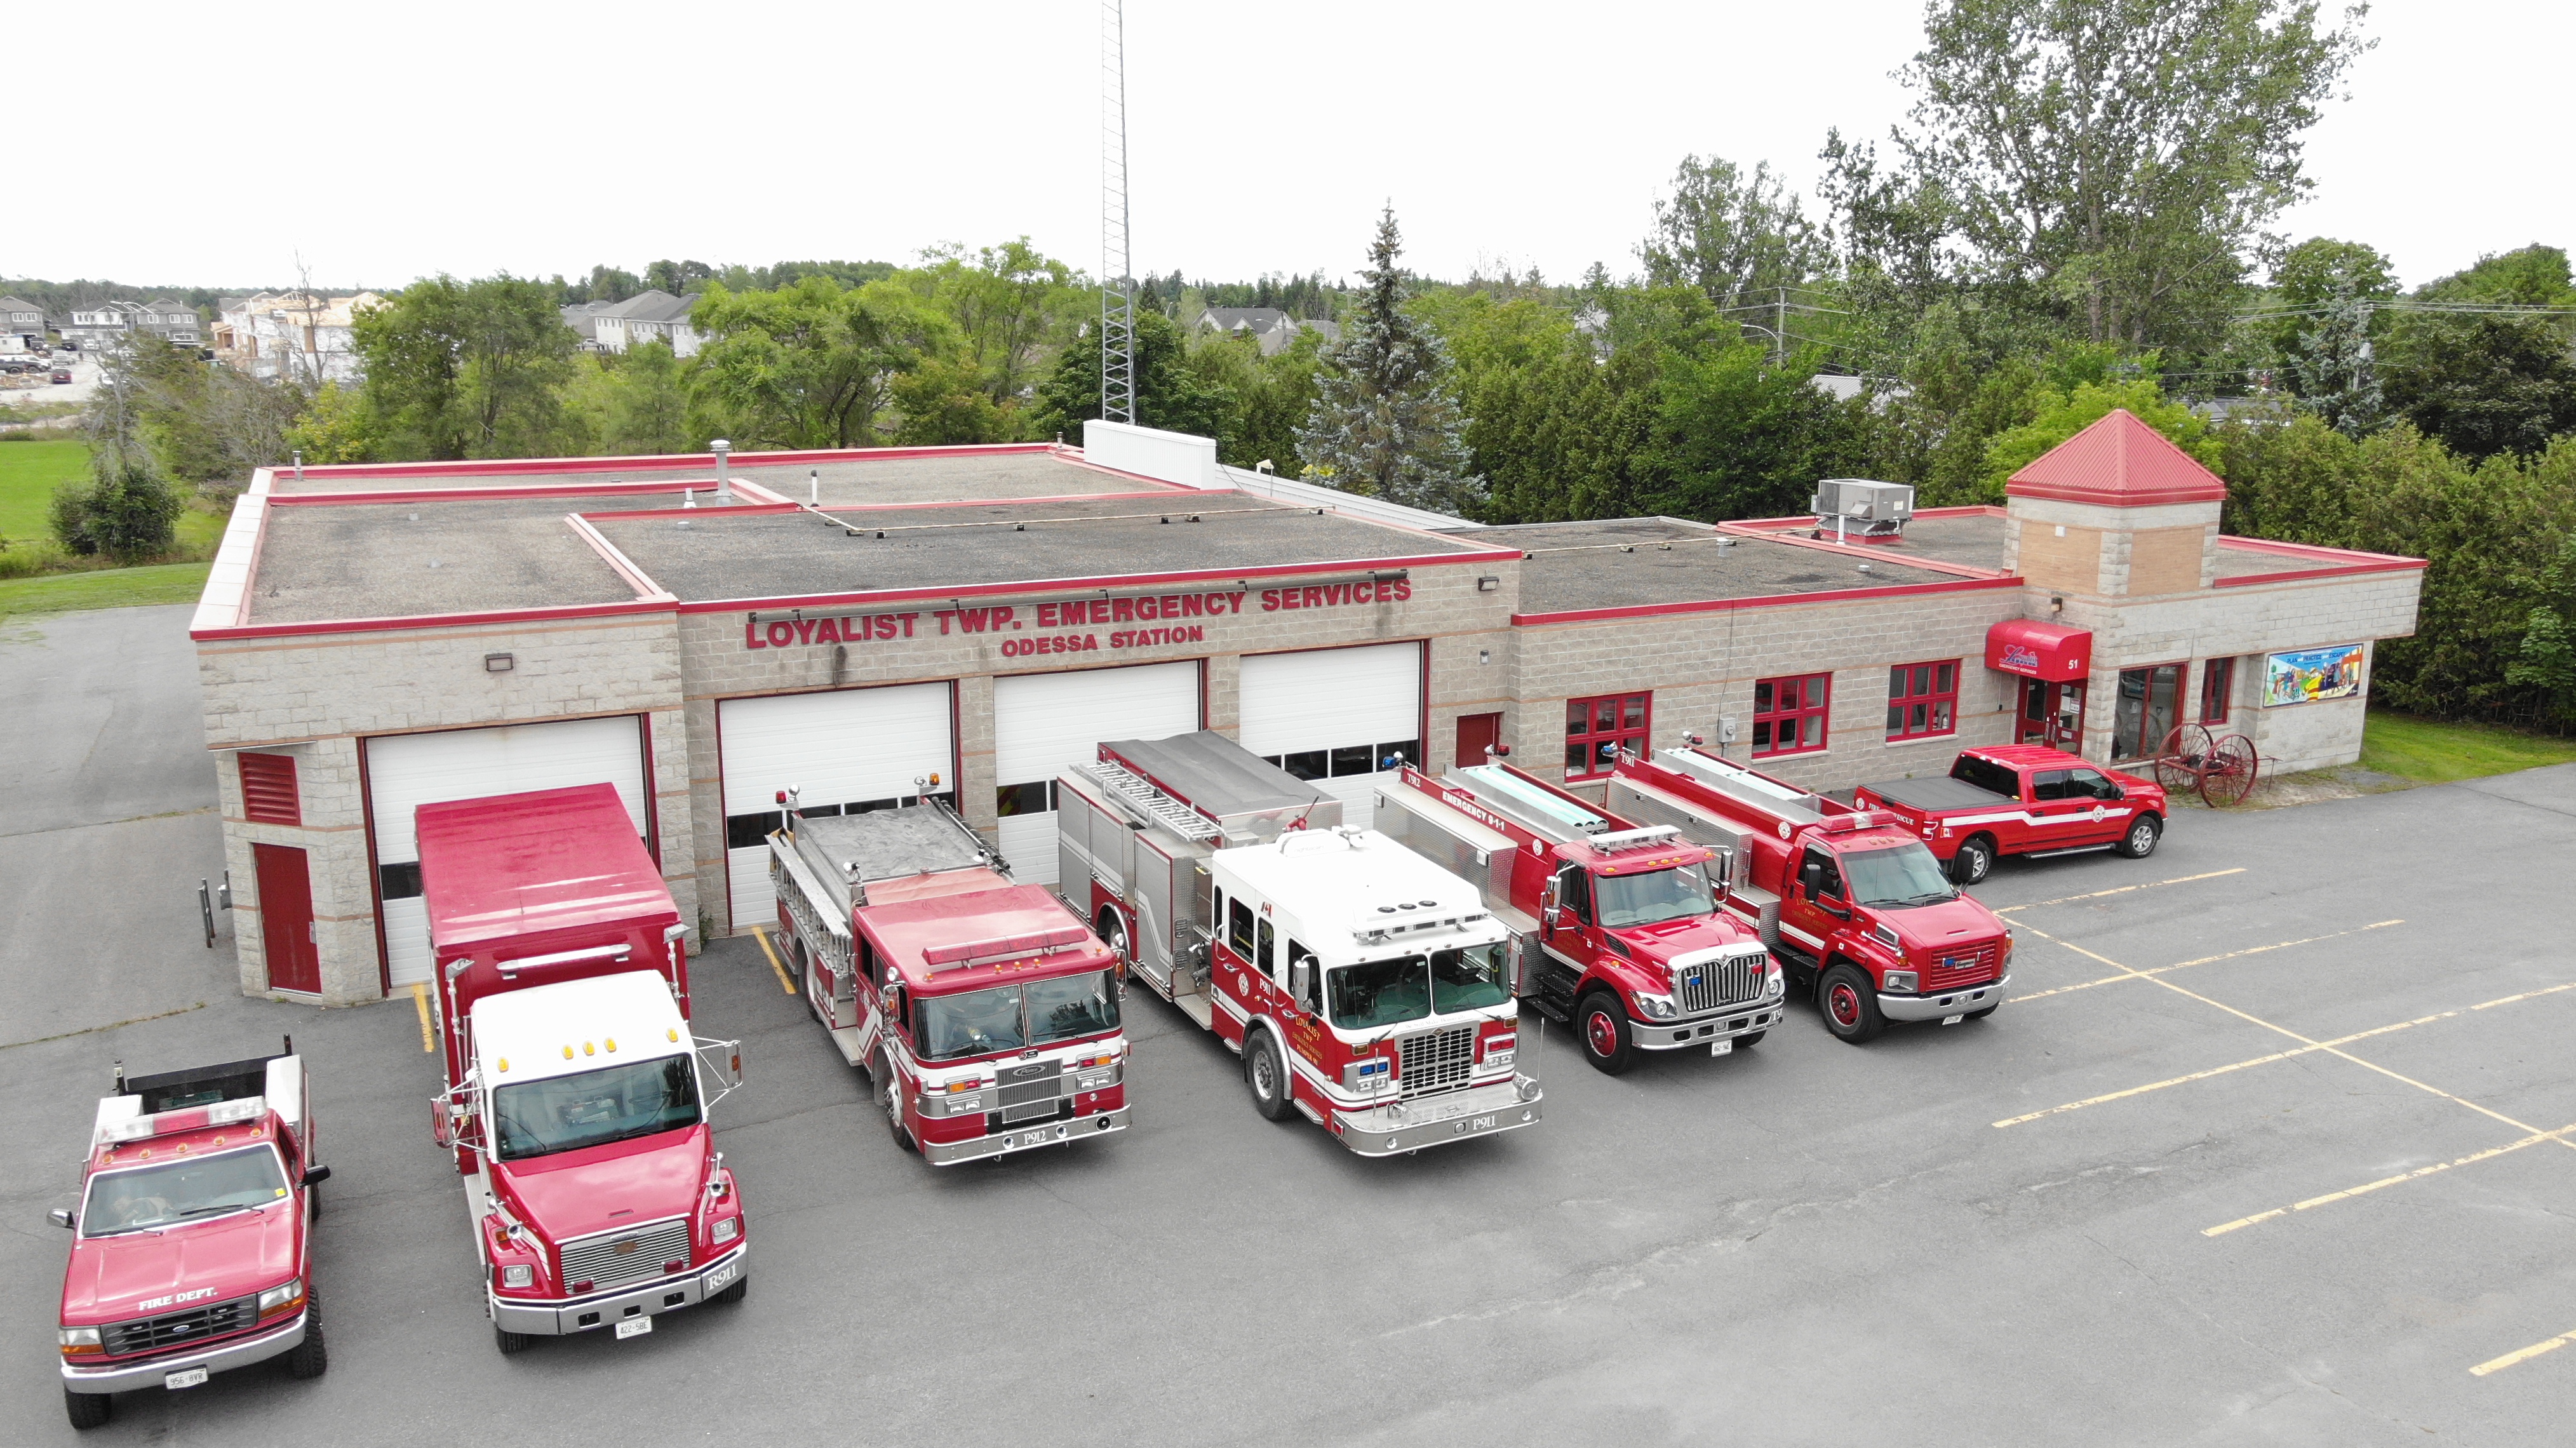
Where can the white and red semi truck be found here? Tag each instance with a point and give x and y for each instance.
(987, 1015)
(1854, 904)
(576, 1100)
(192, 1251)
(1622, 933)
(1364, 987)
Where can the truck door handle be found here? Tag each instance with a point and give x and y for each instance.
(309, 937)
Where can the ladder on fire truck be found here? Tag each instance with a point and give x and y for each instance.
(1148, 801)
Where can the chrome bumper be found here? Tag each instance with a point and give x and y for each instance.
(221, 1358)
(1933, 1006)
(566, 1316)
(1439, 1120)
(1047, 1133)
(1724, 1026)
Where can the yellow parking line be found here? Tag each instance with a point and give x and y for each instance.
(2221, 1070)
(420, 1002)
(2204, 960)
(2526, 995)
(2497, 1365)
(784, 983)
(2535, 1139)
(2123, 890)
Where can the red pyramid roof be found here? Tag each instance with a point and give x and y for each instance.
(2118, 462)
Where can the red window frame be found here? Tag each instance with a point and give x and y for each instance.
(1801, 701)
(1922, 699)
(1599, 726)
(2217, 687)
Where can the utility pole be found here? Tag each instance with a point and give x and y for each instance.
(1117, 286)
(1780, 331)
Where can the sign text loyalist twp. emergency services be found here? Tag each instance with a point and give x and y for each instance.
(1076, 625)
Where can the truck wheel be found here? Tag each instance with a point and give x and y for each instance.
(88, 1410)
(511, 1343)
(1751, 1038)
(1113, 933)
(740, 1289)
(1268, 1078)
(311, 1357)
(1988, 1011)
(1849, 1006)
(1603, 1023)
(1974, 862)
(313, 1202)
(889, 1098)
(2140, 841)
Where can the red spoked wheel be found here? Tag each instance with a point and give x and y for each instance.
(2231, 772)
(2184, 757)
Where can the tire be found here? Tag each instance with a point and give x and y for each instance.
(882, 1077)
(1751, 1038)
(740, 1289)
(313, 1202)
(511, 1343)
(1849, 1005)
(312, 1357)
(1988, 1011)
(88, 1410)
(1115, 934)
(2140, 841)
(1602, 1024)
(1974, 862)
(1267, 1075)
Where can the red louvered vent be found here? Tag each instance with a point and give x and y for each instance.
(268, 789)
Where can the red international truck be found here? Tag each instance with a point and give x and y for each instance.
(192, 1252)
(576, 1100)
(1365, 988)
(2022, 799)
(1621, 930)
(1856, 905)
(986, 1013)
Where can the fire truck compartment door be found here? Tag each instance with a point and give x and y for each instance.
(1158, 878)
(406, 771)
(1044, 724)
(1472, 851)
(836, 748)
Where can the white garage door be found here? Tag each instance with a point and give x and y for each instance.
(847, 749)
(406, 771)
(1336, 717)
(1043, 723)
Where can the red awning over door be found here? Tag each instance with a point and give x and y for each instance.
(2036, 650)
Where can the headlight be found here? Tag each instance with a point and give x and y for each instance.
(1900, 980)
(79, 1340)
(726, 1229)
(1657, 1008)
(281, 1297)
(1885, 936)
(1779, 979)
(518, 1274)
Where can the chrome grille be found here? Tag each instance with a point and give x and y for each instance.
(179, 1329)
(1030, 1092)
(1949, 970)
(1714, 985)
(1434, 1060)
(630, 1254)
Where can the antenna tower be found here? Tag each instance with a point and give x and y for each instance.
(1117, 285)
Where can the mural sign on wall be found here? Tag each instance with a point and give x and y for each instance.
(2308, 676)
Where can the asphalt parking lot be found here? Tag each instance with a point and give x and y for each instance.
(2274, 1142)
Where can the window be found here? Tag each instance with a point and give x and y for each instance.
(1349, 759)
(1789, 714)
(1821, 875)
(1265, 957)
(268, 789)
(1922, 699)
(1574, 892)
(1597, 729)
(2216, 680)
(1238, 927)
(2049, 784)
(2088, 784)
(1985, 774)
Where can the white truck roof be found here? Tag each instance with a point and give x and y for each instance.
(576, 1025)
(1358, 882)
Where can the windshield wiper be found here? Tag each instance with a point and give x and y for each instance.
(1926, 899)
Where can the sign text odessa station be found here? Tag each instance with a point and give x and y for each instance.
(1076, 613)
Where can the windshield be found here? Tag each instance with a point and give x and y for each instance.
(180, 1190)
(1380, 993)
(1469, 979)
(1075, 1005)
(1904, 875)
(567, 1113)
(1675, 894)
(975, 1023)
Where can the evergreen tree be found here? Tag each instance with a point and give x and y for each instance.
(2332, 365)
(1386, 421)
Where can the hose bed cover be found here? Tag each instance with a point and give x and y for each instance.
(1937, 793)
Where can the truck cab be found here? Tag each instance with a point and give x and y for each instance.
(192, 1247)
(1622, 930)
(2022, 799)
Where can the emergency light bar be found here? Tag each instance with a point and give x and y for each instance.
(1637, 838)
(1002, 947)
(188, 1118)
(510, 968)
(1574, 816)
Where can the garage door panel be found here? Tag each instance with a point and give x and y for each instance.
(1044, 724)
(838, 747)
(1336, 717)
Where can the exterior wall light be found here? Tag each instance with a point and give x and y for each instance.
(1488, 583)
(499, 663)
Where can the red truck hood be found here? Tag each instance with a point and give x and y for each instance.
(1663, 943)
(575, 1193)
(1957, 925)
(111, 1278)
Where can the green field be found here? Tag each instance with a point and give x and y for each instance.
(2430, 751)
(102, 588)
(29, 472)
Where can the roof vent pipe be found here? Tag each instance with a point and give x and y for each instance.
(724, 475)
(814, 483)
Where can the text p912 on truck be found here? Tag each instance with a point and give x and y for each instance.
(192, 1251)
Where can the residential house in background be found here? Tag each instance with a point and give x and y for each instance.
(1270, 328)
(22, 320)
(108, 324)
(302, 335)
(583, 318)
(645, 317)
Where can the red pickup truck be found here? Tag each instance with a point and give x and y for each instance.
(2022, 799)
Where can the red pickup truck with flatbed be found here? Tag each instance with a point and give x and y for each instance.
(2022, 799)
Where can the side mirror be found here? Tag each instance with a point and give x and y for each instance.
(1301, 972)
(62, 1217)
(316, 1175)
(442, 1122)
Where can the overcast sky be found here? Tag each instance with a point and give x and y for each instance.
(386, 141)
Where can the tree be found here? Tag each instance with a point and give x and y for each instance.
(465, 369)
(646, 402)
(2331, 365)
(678, 278)
(1739, 438)
(1007, 302)
(198, 422)
(2061, 415)
(1169, 394)
(2482, 384)
(126, 511)
(1739, 239)
(1385, 421)
(811, 365)
(2546, 661)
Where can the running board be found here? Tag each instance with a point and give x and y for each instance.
(1196, 1007)
(847, 1038)
(1311, 1114)
(2069, 850)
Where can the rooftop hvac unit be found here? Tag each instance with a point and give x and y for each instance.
(1860, 508)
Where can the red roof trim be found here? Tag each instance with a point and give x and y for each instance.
(729, 510)
(1107, 581)
(435, 620)
(2247, 580)
(669, 462)
(441, 495)
(1768, 600)
(616, 558)
(840, 508)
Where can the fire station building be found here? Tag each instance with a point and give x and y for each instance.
(866, 626)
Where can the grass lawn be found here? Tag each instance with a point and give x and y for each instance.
(2429, 751)
(103, 588)
(29, 472)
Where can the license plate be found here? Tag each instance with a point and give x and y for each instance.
(635, 1327)
(1721, 1048)
(1952, 1020)
(186, 1378)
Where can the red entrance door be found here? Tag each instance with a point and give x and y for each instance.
(1476, 734)
(2052, 714)
(286, 918)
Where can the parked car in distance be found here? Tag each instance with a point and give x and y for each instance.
(62, 374)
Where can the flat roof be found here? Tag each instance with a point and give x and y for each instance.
(1636, 562)
(897, 475)
(2241, 558)
(335, 560)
